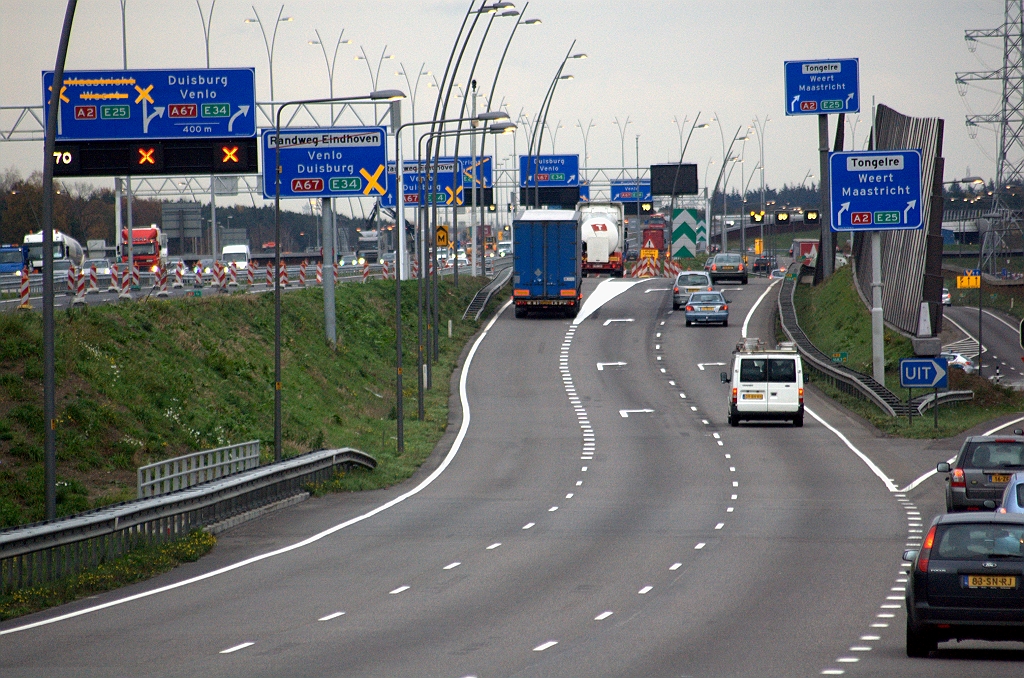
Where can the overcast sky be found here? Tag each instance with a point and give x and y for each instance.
(649, 60)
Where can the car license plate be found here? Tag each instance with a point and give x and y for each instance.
(712, 308)
(986, 581)
(728, 268)
(753, 396)
(999, 478)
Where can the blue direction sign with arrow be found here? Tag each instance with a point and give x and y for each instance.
(875, 190)
(154, 104)
(823, 86)
(627, 191)
(924, 373)
(411, 178)
(327, 162)
(552, 170)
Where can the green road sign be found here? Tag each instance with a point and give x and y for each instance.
(346, 184)
(115, 112)
(887, 217)
(832, 105)
(216, 110)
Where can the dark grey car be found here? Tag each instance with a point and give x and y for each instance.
(966, 581)
(981, 471)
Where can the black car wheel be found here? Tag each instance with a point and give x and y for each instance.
(919, 644)
(734, 417)
(520, 312)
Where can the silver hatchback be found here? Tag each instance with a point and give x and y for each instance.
(981, 471)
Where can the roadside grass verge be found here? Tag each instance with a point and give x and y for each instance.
(145, 381)
(835, 320)
(136, 565)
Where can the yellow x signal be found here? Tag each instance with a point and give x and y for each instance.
(144, 94)
(371, 180)
(455, 195)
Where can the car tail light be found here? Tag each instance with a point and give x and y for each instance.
(741, 267)
(801, 392)
(1005, 440)
(725, 307)
(734, 396)
(689, 308)
(710, 289)
(957, 478)
(675, 290)
(714, 267)
(926, 551)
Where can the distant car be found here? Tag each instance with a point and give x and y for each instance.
(632, 254)
(957, 361)
(504, 249)
(966, 581)
(761, 266)
(779, 273)
(174, 262)
(1013, 495)
(728, 266)
(707, 307)
(686, 284)
(204, 265)
(981, 471)
(947, 298)
(102, 266)
(388, 257)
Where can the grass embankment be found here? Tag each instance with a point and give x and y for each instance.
(146, 381)
(835, 320)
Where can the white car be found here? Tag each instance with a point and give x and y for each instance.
(947, 298)
(102, 266)
(956, 361)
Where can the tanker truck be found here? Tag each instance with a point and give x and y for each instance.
(603, 232)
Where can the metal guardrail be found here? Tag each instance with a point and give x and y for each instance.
(843, 378)
(199, 467)
(43, 552)
(502, 274)
(927, 402)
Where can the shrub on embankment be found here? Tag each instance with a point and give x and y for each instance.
(150, 380)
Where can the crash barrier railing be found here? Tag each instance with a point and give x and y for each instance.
(926, 402)
(44, 552)
(843, 378)
(199, 467)
(476, 307)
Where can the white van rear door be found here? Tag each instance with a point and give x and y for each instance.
(783, 386)
(752, 389)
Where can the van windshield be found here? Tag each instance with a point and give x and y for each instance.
(782, 370)
(234, 256)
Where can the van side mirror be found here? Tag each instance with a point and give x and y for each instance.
(942, 467)
(724, 377)
(910, 555)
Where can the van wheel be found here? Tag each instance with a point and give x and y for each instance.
(734, 418)
(798, 420)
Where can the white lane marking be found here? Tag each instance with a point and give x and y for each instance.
(617, 320)
(735, 496)
(528, 525)
(727, 456)
(683, 396)
(659, 357)
(860, 648)
(716, 436)
(675, 566)
(871, 465)
(732, 469)
(584, 469)
(657, 289)
(657, 335)
(699, 546)
(701, 366)
(398, 590)
(671, 383)
(662, 369)
(603, 616)
(657, 347)
(885, 615)
(871, 637)
(544, 646)
(719, 526)
(552, 509)
(625, 413)
(750, 313)
(730, 509)
(833, 672)
(494, 546)
(329, 617)
(452, 452)
(452, 566)
(993, 315)
(848, 660)
(236, 648)
(602, 294)
(693, 408)
(735, 484)
(645, 590)
(601, 366)
(879, 625)
(661, 323)
(569, 496)
(705, 422)
(578, 483)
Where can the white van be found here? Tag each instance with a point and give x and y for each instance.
(766, 384)
(239, 254)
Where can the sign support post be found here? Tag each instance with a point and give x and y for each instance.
(826, 258)
(877, 319)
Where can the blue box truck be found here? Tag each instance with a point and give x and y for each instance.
(13, 259)
(547, 262)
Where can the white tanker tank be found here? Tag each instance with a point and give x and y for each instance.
(602, 229)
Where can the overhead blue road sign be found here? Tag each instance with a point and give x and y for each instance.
(552, 170)
(327, 162)
(584, 192)
(824, 86)
(875, 190)
(411, 179)
(630, 191)
(924, 373)
(154, 104)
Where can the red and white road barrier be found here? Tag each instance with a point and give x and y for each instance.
(270, 275)
(415, 268)
(114, 278)
(94, 286)
(319, 273)
(223, 277)
(335, 273)
(135, 275)
(250, 274)
(366, 271)
(302, 273)
(284, 276)
(80, 281)
(645, 269)
(179, 275)
(197, 279)
(217, 274)
(161, 279)
(24, 289)
(126, 284)
(385, 271)
(71, 280)
(232, 275)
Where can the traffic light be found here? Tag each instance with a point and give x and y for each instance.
(492, 208)
(812, 217)
(756, 217)
(782, 217)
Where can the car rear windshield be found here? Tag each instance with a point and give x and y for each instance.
(706, 299)
(979, 541)
(994, 455)
(727, 259)
(692, 279)
(782, 370)
(753, 369)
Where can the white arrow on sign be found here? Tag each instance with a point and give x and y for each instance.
(625, 413)
(700, 366)
(839, 215)
(910, 205)
(848, 97)
(792, 105)
(158, 112)
(617, 320)
(571, 177)
(601, 366)
(242, 110)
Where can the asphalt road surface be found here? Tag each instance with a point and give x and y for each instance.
(1000, 336)
(585, 517)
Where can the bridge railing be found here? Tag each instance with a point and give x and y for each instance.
(199, 467)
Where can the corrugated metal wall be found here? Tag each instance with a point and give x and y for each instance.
(911, 260)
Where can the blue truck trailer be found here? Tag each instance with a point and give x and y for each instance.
(13, 259)
(547, 262)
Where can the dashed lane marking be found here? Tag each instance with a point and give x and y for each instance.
(603, 615)
(236, 648)
(333, 615)
(544, 646)
(400, 589)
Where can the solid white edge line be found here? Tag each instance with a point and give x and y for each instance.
(871, 465)
(746, 321)
(463, 429)
(990, 313)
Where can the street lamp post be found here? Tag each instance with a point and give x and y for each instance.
(386, 95)
(759, 126)
(269, 44)
(682, 154)
(330, 63)
(726, 158)
(585, 131)
(542, 118)
(622, 142)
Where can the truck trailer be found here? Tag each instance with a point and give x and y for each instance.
(547, 262)
(603, 231)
